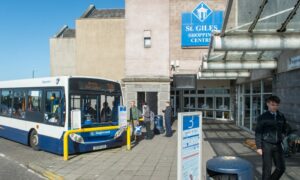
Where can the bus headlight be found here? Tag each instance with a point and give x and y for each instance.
(77, 138)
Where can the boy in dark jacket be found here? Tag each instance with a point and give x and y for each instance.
(268, 136)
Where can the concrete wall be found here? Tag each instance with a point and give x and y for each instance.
(287, 87)
(100, 47)
(62, 56)
(163, 94)
(189, 59)
(144, 15)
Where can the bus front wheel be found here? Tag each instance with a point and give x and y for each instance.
(34, 140)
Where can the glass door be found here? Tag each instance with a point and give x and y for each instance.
(222, 107)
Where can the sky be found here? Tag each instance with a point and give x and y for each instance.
(27, 25)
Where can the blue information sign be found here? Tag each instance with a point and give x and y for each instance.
(198, 25)
(122, 116)
(189, 146)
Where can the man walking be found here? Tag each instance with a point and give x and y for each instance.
(268, 136)
(134, 116)
(168, 117)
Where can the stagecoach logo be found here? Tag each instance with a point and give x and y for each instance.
(202, 11)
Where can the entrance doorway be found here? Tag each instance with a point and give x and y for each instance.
(150, 98)
(214, 103)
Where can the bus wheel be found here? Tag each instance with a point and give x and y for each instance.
(34, 140)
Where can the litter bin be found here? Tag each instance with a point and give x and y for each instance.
(229, 168)
(158, 124)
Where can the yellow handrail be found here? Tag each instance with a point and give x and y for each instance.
(67, 133)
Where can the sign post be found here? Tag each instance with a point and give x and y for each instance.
(189, 157)
(122, 116)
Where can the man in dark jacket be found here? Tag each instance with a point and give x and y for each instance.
(268, 136)
(168, 117)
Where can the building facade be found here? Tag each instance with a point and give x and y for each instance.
(96, 47)
(223, 58)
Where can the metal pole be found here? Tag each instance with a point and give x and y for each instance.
(128, 138)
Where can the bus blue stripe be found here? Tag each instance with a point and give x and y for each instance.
(54, 145)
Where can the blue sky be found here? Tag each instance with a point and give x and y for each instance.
(27, 25)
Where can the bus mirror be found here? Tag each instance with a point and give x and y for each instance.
(76, 119)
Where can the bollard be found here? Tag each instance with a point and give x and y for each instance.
(128, 138)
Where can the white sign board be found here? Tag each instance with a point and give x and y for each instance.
(76, 119)
(122, 116)
(189, 161)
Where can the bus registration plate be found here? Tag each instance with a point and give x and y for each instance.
(99, 147)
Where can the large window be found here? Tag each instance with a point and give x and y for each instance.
(34, 100)
(54, 107)
(19, 104)
(6, 103)
(34, 105)
(96, 108)
(252, 101)
(213, 102)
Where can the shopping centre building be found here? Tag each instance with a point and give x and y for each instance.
(222, 58)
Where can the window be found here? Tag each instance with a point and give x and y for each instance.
(6, 103)
(96, 108)
(55, 107)
(147, 39)
(34, 106)
(109, 109)
(19, 104)
(256, 87)
(200, 91)
(200, 102)
(267, 85)
(34, 100)
(247, 88)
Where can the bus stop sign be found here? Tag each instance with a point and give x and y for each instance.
(189, 146)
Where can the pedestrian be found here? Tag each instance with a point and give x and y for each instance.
(168, 119)
(269, 133)
(147, 121)
(134, 116)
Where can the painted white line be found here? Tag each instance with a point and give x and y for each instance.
(2, 155)
(21, 165)
(33, 172)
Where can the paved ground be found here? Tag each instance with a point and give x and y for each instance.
(10, 169)
(227, 139)
(150, 159)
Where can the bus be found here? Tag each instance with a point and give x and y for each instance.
(37, 112)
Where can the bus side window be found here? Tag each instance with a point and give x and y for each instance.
(19, 104)
(6, 103)
(34, 106)
(54, 107)
(34, 100)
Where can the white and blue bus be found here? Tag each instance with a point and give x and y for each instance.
(37, 112)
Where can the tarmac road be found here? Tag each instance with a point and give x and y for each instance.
(10, 169)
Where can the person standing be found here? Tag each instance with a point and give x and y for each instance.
(147, 121)
(269, 132)
(134, 116)
(168, 119)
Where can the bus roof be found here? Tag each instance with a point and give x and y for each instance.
(55, 81)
